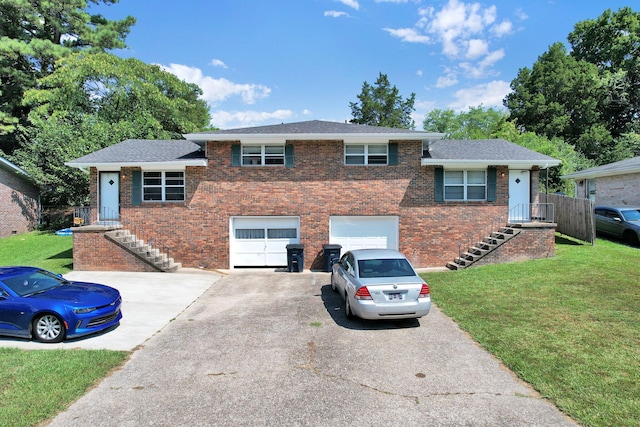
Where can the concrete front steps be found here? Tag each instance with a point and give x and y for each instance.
(481, 249)
(152, 256)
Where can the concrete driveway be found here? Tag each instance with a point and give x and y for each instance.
(149, 302)
(275, 349)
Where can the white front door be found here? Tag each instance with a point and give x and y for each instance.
(109, 196)
(519, 189)
(262, 241)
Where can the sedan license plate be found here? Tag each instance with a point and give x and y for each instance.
(395, 296)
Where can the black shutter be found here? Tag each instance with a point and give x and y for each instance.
(439, 185)
(393, 153)
(236, 155)
(288, 156)
(491, 184)
(136, 187)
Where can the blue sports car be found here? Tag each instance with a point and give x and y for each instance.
(36, 303)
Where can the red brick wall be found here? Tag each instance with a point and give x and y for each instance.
(92, 251)
(318, 187)
(18, 204)
(534, 241)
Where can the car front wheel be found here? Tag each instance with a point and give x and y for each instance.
(333, 283)
(48, 328)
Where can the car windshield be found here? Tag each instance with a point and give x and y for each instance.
(397, 267)
(33, 282)
(631, 214)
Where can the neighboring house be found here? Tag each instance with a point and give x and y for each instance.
(614, 184)
(19, 198)
(236, 198)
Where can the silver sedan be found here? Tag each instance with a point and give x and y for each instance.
(380, 284)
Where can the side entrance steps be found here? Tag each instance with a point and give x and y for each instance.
(144, 251)
(481, 249)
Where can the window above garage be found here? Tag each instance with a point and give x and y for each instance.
(262, 155)
(370, 154)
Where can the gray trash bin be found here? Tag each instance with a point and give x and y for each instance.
(295, 257)
(331, 255)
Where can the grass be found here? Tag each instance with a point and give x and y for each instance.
(40, 249)
(568, 325)
(36, 385)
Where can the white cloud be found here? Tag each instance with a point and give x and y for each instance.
(217, 90)
(218, 63)
(335, 14)
(419, 73)
(351, 3)
(447, 80)
(460, 27)
(476, 48)
(240, 119)
(409, 35)
(520, 14)
(488, 95)
(503, 28)
(306, 112)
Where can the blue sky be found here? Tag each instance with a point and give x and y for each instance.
(271, 61)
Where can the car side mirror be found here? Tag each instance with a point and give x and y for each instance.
(617, 219)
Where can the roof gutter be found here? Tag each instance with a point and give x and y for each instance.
(143, 165)
(470, 163)
(598, 174)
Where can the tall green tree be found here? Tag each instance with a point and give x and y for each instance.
(476, 123)
(34, 34)
(92, 101)
(381, 104)
(590, 95)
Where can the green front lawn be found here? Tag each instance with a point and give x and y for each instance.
(39, 249)
(568, 325)
(36, 385)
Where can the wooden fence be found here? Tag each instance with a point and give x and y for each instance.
(573, 216)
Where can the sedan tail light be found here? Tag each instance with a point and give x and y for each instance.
(363, 293)
(424, 292)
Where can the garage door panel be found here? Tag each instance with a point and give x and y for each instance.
(262, 242)
(361, 232)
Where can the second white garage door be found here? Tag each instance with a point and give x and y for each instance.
(262, 241)
(358, 232)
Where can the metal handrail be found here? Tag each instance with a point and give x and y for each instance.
(84, 215)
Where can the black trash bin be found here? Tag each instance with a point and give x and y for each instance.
(331, 255)
(295, 257)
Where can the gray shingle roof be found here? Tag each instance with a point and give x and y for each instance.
(143, 151)
(482, 149)
(314, 127)
(617, 168)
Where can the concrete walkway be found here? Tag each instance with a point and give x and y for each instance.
(275, 349)
(149, 302)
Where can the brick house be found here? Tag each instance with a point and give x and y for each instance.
(19, 200)
(236, 198)
(614, 184)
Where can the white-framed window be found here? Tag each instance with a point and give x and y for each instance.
(465, 185)
(262, 155)
(366, 154)
(166, 186)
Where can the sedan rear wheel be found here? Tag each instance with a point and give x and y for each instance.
(48, 328)
(347, 308)
(333, 283)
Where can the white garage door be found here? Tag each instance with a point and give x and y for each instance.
(359, 232)
(262, 241)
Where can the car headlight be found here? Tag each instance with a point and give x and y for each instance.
(83, 310)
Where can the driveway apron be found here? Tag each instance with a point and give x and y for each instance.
(263, 348)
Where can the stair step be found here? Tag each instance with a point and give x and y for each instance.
(454, 266)
(144, 251)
